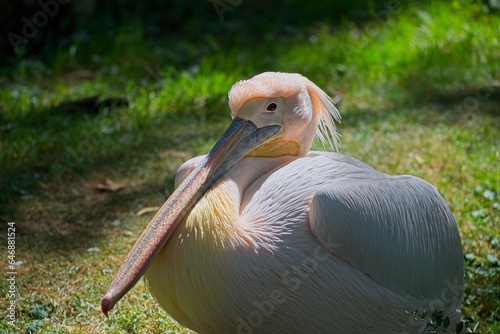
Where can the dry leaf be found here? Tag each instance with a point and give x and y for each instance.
(109, 185)
(147, 210)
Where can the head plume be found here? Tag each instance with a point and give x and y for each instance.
(278, 84)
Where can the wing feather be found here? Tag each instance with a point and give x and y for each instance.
(398, 230)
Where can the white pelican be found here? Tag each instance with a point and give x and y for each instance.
(263, 235)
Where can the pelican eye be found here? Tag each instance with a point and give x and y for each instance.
(272, 106)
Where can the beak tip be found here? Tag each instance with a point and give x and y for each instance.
(106, 304)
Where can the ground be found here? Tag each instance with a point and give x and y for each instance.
(91, 135)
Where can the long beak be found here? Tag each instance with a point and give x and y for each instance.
(240, 138)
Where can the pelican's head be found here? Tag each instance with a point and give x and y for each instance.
(274, 114)
(291, 101)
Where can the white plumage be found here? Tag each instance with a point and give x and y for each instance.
(291, 241)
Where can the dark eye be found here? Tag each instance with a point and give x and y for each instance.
(271, 106)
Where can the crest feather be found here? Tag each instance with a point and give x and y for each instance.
(327, 116)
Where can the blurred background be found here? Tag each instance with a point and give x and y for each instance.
(101, 101)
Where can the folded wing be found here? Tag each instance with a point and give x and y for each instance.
(397, 230)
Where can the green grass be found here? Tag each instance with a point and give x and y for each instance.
(420, 91)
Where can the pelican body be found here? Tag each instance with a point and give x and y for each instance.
(263, 235)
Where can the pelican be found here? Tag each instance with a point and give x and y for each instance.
(263, 235)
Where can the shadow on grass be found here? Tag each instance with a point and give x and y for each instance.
(471, 99)
(51, 193)
(80, 222)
